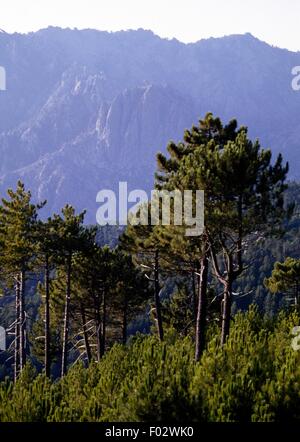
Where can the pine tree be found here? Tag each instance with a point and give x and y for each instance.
(285, 278)
(131, 291)
(171, 176)
(18, 222)
(142, 242)
(94, 279)
(243, 193)
(243, 199)
(48, 255)
(71, 236)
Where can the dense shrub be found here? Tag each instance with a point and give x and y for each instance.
(254, 377)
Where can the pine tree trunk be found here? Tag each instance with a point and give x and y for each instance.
(85, 335)
(17, 330)
(226, 311)
(201, 309)
(103, 334)
(124, 324)
(66, 317)
(157, 300)
(47, 319)
(194, 296)
(98, 327)
(22, 321)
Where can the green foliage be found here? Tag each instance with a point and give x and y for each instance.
(255, 376)
(88, 293)
(285, 278)
(18, 230)
(178, 311)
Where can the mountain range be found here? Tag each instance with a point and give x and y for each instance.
(85, 109)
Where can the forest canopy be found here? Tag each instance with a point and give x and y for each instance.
(146, 323)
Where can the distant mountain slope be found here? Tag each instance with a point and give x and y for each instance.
(86, 109)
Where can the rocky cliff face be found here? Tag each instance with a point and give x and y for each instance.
(84, 110)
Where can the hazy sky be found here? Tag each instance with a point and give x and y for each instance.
(274, 21)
